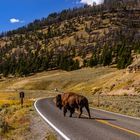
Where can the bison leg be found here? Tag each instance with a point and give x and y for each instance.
(71, 111)
(65, 110)
(87, 108)
(81, 111)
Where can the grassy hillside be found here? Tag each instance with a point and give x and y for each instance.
(88, 80)
(80, 37)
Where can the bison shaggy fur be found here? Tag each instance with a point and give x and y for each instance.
(71, 101)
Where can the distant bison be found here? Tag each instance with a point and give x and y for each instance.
(71, 101)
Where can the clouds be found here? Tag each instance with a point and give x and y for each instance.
(90, 2)
(15, 20)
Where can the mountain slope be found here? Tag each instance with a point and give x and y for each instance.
(81, 37)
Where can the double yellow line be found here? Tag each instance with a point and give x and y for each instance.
(115, 126)
(118, 127)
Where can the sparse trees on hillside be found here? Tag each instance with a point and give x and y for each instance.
(57, 42)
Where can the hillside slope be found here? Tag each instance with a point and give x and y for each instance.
(89, 81)
(80, 37)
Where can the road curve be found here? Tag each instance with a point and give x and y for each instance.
(102, 126)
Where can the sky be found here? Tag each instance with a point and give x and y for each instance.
(17, 13)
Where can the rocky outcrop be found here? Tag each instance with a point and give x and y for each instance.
(134, 67)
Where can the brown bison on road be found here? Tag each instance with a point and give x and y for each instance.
(72, 101)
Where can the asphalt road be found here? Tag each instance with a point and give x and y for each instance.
(102, 126)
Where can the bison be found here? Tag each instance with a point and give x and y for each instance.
(71, 101)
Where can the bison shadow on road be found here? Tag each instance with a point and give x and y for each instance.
(94, 118)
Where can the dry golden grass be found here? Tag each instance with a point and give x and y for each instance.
(15, 119)
(124, 104)
(85, 80)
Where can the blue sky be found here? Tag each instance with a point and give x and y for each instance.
(17, 13)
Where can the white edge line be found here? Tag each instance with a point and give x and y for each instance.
(116, 113)
(55, 128)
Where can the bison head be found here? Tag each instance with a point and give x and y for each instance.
(59, 101)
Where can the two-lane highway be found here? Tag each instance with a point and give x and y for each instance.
(102, 126)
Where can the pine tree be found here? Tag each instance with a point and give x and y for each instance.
(93, 60)
(124, 57)
(106, 57)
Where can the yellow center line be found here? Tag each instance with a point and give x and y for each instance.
(118, 127)
(115, 126)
